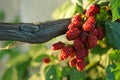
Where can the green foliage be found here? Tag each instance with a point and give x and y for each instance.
(99, 50)
(40, 57)
(52, 73)
(113, 71)
(110, 75)
(114, 55)
(10, 74)
(112, 34)
(17, 68)
(115, 7)
(76, 75)
(67, 10)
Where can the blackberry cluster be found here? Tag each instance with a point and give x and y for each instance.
(84, 34)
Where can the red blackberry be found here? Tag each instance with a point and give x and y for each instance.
(77, 23)
(58, 45)
(72, 34)
(66, 51)
(72, 62)
(71, 55)
(80, 56)
(101, 33)
(91, 41)
(88, 26)
(91, 19)
(93, 10)
(85, 52)
(83, 35)
(60, 57)
(46, 60)
(76, 17)
(94, 32)
(80, 65)
(78, 44)
(72, 26)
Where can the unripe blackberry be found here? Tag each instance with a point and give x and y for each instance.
(58, 45)
(77, 23)
(66, 51)
(78, 44)
(72, 62)
(94, 32)
(91, 19)
(46, 60)
(100, 33)
(80, 56)
(80, 65)
(91, 41)
(72, 34)
(71, 55)
(72, 26)
(84, 52)
(83, 35)
(60, 57)
(93, 10)
(76, 17)
(89, 24)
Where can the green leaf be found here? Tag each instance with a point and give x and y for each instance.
(110, 75)
(113, 71)
(70, 11)
(99, 50)
(115, 7)
(112, 33)
(79, 9)
(65, 71)
(51, 73)
(76, 75)
(10, 74)
(116, 71)
(114, 55)
(40, 57)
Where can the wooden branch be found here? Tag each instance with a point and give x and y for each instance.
(33, 33)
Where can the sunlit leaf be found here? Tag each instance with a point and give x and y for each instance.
(113, 71)
(61, 11)
(70, 11)
(115, 7)
(114, 55)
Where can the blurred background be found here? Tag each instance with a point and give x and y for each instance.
(24, 61)
(15, 11)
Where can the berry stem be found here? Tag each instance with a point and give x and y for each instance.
(91, 66)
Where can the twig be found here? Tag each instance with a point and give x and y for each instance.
(33, 33)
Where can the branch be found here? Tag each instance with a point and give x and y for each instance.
(33, 33)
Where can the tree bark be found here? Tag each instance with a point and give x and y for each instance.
(33, 33)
